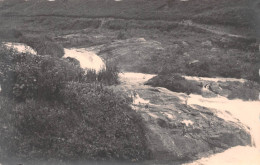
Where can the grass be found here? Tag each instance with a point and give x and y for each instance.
(43, 45)
(133, 9)
(49, 112)
(246, 91)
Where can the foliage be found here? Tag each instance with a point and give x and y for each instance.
(107, 76)
(59, 116)
(9, 34)
(245, 91)
(121, 35)
(43, 45)
(29, 76)
(236, 16)
(88, 122)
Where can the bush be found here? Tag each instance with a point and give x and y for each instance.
(89, 122)
(43, 45)
(121, 35)
(107, 76)
(9, 34)
(200, 69)
(175, 83)
(247, 91)
(59, 118)
(29, 76)
(7, 108)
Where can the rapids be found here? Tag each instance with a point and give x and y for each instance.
(247, 112)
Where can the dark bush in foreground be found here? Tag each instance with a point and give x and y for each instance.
(107, 76)
(60, 118)
(43, 45)
(175, 83)
(29, 76)
(90, 122)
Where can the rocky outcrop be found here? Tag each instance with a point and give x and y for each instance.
(130, 54)
(231, 88)
(177, 131)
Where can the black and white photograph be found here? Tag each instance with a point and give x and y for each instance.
(129, 82)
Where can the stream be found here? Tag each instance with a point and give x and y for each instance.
(246, 112)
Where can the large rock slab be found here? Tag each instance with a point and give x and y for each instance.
(130, 54)
(178, 131)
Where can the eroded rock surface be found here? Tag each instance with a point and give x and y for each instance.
(130, 54)
(176, 130)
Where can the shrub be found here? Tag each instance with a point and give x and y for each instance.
(29, 76)
(116, 24)
(57, 117)
(43, 45)
(89, 122)
(229, 67)
(247, 91)
(107, 76)
(176, 83)
(198, 69)
(7, 34)
(115, 129)
(121, 35)
(6, 129)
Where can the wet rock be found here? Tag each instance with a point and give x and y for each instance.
(176, 131)
(214, 87)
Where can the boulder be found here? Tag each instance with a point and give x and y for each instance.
(177, 131)
(203, 133)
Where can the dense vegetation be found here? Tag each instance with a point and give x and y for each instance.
(210, 11)
(50, 111)
(43, 45)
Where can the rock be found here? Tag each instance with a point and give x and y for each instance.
(185, 44)
(214, 50)
(181, 132)
(194, 62)
(207, 44)
(131, 54)
(214, 87)
(188, 141)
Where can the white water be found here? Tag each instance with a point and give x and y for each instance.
(248, 112)
(22, 48)
(213, 79)
(238, 111)
(87, 59)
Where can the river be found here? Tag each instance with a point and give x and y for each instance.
(247, 112)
